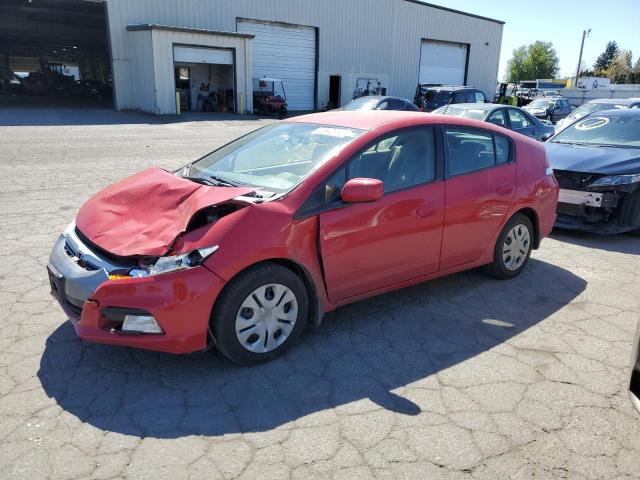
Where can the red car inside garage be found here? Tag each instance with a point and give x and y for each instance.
(249, 244)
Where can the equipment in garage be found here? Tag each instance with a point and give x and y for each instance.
(204, 78)
(287, 52)
(268, 99)
(368, 86)
(54, 50)
(443, 62)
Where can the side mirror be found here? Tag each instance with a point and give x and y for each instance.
(358, 190)
(546, 137)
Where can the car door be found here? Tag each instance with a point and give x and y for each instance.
(521, 123)
(369, 246)
(480, 187)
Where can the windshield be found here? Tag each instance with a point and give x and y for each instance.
(473, 113)
(276, 157)
(542, 103)
(587, 108)
(362, 103)
(438, 96)
(603, 129)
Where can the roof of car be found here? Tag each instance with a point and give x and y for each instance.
(615, 101)
(479, 106)
(370, 119)
(381, 97)
(451, 88)
(619, 112)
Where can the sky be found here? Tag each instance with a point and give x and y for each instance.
(562, 23)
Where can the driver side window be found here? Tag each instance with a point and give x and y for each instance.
(400, 160)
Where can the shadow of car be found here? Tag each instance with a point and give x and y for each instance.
(358, 357)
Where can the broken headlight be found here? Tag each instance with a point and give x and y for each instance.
(613, 180)
(175, 262)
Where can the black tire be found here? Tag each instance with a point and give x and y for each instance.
(629, 212)
(227, 307)
(499, 268)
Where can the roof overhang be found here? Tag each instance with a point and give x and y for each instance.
(170, 28)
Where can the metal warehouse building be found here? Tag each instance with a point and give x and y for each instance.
(319, 48)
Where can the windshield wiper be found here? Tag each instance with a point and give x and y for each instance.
(211, 181)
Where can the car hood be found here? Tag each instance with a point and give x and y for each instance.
(587, 159)
(143, 214)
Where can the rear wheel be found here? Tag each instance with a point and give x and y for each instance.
(259, 314)
(513, 248)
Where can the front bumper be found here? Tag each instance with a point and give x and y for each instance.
(589, 211)
(181, 302)
(634, 380)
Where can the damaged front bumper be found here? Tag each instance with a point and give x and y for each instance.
(180, 301)
(581, 206)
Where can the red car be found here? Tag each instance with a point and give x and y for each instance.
(246, 246)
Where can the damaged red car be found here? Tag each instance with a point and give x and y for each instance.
(246, 246)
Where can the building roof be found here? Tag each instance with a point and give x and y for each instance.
(460, 12)
(171, 28)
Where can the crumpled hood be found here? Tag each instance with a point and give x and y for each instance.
(603, 160)
(144, 213)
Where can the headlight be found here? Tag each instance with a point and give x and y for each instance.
(176, 262)
(70, 228)
(616, 180)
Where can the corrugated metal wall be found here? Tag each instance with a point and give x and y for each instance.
(380, 37)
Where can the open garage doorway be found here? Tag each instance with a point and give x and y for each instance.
(204, 78)
(54, 52)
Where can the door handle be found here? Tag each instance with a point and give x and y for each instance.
(426, 209)
(505, 189)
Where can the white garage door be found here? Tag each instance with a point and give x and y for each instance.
(443, 62)
(288, 53)
(216, 56)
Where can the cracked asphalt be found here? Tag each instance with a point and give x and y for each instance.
(463, 377)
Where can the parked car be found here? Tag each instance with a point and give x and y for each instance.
(634, 380)
(379, 102)
(597, 163)
(595, 106)
(505, 116)
(549, 108)
(430, 98)
(247, 245)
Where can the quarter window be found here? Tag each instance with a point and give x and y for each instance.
(498, 118)
(518, 120)
(471, 150)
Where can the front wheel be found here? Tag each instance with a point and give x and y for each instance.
(513, 248)
(259, 314)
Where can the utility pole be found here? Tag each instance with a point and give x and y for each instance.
(585, 34)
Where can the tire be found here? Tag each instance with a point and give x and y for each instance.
(518, 228)
(255, 310)
(629, 212)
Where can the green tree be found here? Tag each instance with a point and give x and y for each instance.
(530, 62)
(620, 70)
(605, 59)
(515, 65)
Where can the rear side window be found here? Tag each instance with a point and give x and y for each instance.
(469, 150)
(480, 98)
(459, 97)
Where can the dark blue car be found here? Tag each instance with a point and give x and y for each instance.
(596, 161)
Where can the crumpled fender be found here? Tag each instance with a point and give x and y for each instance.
(143, 214)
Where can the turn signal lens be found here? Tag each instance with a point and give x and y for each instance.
(118, 277)
(140, 324)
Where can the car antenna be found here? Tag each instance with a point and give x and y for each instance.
(446, 109)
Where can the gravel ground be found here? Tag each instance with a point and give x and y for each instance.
(463, 377)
